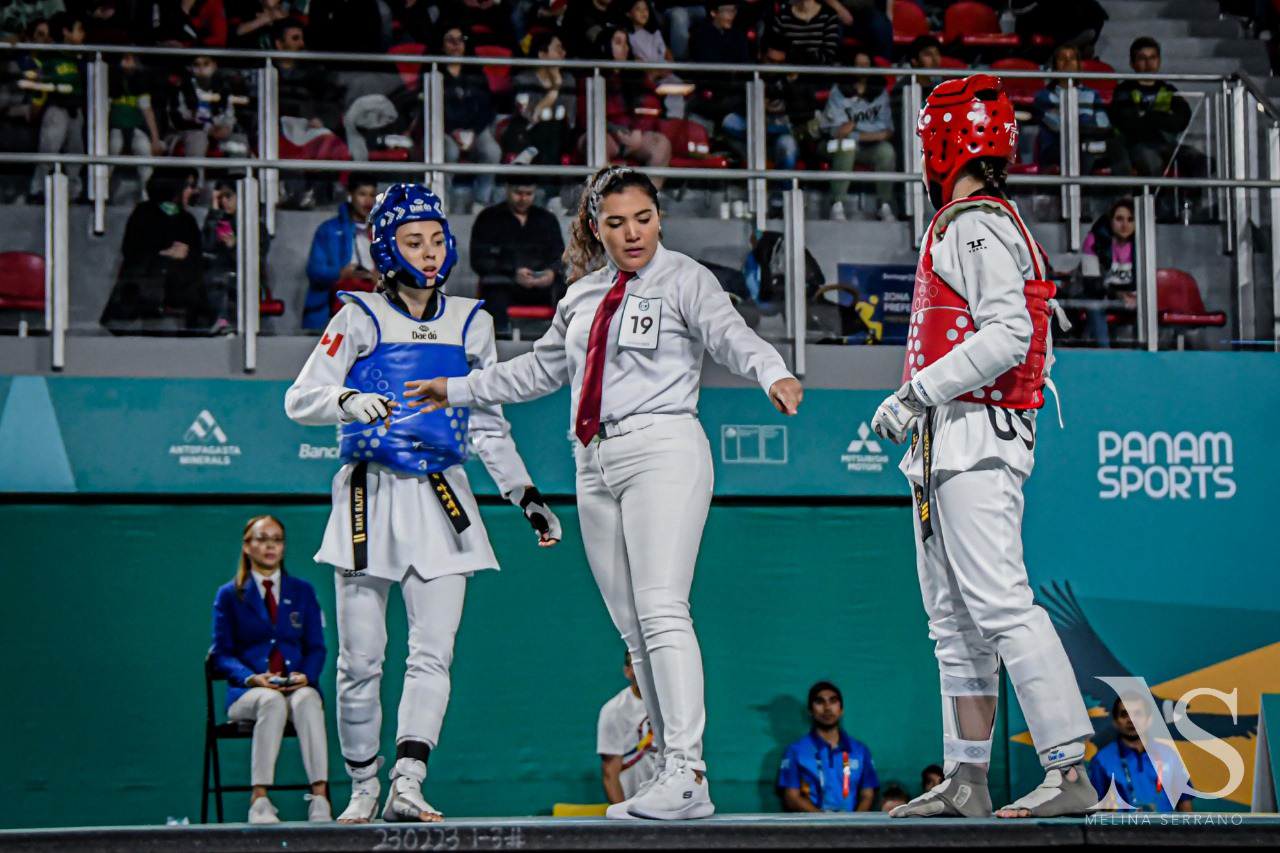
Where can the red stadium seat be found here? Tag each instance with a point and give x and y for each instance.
(690, 145)
(952, 62)
(410, 72)
(531, 312)
(881, 62)
(1021, 90)
(1178, 304)
(499, 75)
(21, 281)
(909, 22)
(268, 305)
(969, 18)
(1105, 88)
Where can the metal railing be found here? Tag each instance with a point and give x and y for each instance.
(1232, 110)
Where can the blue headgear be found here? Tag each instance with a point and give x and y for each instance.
(403, 203)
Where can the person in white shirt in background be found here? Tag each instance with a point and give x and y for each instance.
(624, 740)
(403, 511)
(979, 351)
(628, 338)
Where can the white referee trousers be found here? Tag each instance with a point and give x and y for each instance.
(643, 499)
(270, 710)
(434, 609)
(980, 605)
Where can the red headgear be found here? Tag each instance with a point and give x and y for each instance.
(963, 120)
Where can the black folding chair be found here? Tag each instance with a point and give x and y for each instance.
(214, 732)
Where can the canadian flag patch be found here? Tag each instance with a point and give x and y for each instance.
(332, 343)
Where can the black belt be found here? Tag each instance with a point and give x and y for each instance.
(923, 494)
(444, 493)
(359, 520)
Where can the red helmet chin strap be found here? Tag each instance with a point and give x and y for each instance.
(964, 120)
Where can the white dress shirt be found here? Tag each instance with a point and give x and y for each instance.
(274, 577)
(694, 315)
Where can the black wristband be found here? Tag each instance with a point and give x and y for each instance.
(531, 496)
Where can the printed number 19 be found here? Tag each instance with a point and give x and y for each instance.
(641, 325)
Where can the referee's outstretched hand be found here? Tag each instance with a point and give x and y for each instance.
(431, 393)
(786, 395)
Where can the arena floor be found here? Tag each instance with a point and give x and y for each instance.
(728, 832)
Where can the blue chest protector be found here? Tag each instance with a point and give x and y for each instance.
(418, 442)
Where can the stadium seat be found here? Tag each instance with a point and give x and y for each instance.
(214, 732)
(1179, 304)
(410, 72)
(1105, 88)
(1021, 90)
(21, 281)
(909, 22)
(499, 75)
(974, 29)
(690, 145)
(268, 305)
(952, 62)
(534, 319)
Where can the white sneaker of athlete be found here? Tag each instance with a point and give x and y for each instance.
(621, 811)
(261, 811)
(318, 811)
(363, 807)
(406, 803)
(677, 794)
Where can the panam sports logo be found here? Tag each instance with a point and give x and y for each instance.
(205, 443)
(1181, 466)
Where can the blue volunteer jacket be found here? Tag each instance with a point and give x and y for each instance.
(243, 636)
(331, 249)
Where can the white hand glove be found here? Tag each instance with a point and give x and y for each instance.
(365, 407)
(539, 514)
(894, 418)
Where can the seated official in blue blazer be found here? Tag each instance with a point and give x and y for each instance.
(268, 640)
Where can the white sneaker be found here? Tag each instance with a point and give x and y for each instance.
(261, 811)
(837, 212)
(405, 803)
(363, 807)
(886, 213)
(621, 811)
(677, 794)
(319, 811)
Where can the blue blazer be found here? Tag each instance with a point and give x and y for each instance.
(243, 636)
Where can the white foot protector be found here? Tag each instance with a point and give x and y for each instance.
(405, 803)
(962, 794)
(261, 811)
(1058, 795)
(363, 807)
(677, 794)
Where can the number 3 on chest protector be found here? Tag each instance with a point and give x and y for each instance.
(641, 317)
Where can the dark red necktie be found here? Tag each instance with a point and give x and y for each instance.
(597, 344)
(275, 663)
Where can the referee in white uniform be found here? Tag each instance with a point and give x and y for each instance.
(628, 337)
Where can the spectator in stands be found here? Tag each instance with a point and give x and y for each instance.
(810, 29)
(1076, 21)
(624, 740)
(892, 796)
(62, 102)
(1126, 764)
(790, 106)
(631, 107)
(931, 777)
(468, 116)
(219, 248)
(716, 39)
(858, 124)
(827, 770)
(647, 45)
(310, 109)
(581, 26)
(1106, 268)
(268, 642)
(546, 100)
(202, 113)
(925, 52)
(1095, 126)
(1148, 114)
(19, 20)
(184, 23)
(515, 250)
(871, 26)
(18, 131)
(130, 117)
(680, 17)
(340, 257)
(250, 22)
(161, 266)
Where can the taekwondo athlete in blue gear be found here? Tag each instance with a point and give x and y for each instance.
(403, 510)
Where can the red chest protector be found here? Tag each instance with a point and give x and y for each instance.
(941, 321)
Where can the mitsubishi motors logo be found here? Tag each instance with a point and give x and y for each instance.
(205, 443)
(864, 453)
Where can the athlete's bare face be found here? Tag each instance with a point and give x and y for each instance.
(628, 228)
(422, 245)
